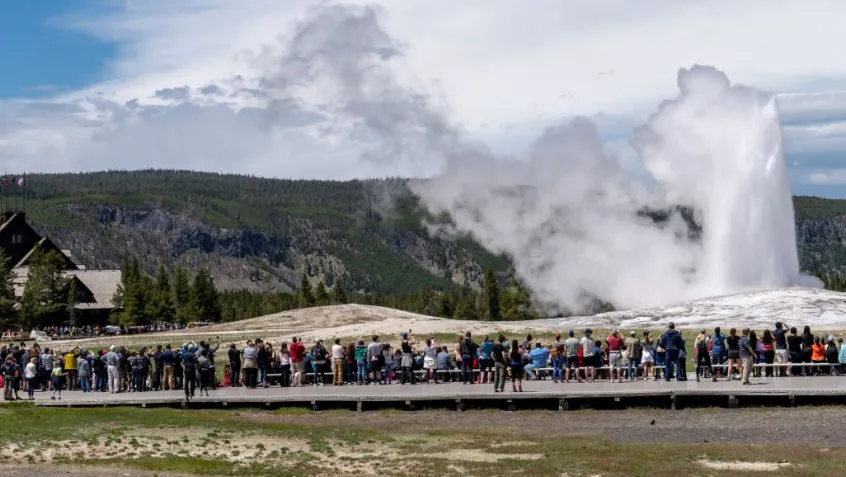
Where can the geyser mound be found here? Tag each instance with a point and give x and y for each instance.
(571, 218)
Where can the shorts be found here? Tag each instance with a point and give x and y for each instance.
(376, 365)
(615, 360)
(590, 361)
(734, 354)
(573, 362)
(428, 362)
(647, 358)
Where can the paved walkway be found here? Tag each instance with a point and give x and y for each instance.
(799, 386)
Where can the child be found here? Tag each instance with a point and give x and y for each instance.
(58, 378)
(227, 376)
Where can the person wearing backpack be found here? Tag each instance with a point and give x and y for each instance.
(703, 358)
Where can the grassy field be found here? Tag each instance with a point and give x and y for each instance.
(295, 442)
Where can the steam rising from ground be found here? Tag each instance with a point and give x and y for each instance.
(572, 219)
(567, 214)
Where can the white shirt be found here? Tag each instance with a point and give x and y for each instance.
(29, 371)
(337, 352)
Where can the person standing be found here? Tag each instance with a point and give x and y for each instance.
(615, 355)
(31, 375)
(112, 361)
(84, 373)
(168, 358)
(782, 354)
(376, 360)
(499, 358)
(337, 363)
(719, 352)
(747, 356)
(516, 363)
(8, 371)
(189, 371)
(635, 352)
(70, 369)
(204, 365)
(297, 350)
(559, 356)
(703, 358)
(571, 351)
(671, 343)
(406, 360)
(234, 364)
(468, 351)
(588, 344)
(250, 366)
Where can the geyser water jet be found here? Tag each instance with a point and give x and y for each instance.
(718, 148)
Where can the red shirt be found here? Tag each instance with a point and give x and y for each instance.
(615, 344)
(297, 351)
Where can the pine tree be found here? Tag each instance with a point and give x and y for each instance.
(465, 306)
(8, 314)
(204, 304)
(181, 295)
(321, 296)
(339, 296)
(44, 298)
(427, 302)
(306, 297)
(445, 307)
(491, 296)
(160, 305)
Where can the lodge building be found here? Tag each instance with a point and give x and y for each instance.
(95, 287)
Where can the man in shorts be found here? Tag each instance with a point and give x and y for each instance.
(615, 356)
(588, 352)
(571, 347)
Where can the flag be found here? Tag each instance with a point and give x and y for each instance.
(20, 181)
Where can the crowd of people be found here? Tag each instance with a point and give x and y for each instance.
(783, 351)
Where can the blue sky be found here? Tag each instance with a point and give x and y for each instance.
(221, 85)
(39, 57)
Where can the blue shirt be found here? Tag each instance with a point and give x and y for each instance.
(487, 347)
(719, 343)
(539, 357)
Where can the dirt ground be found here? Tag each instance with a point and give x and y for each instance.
(804, 425)
(18, 470)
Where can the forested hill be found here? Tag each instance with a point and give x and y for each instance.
(252, 233)
(259, 234)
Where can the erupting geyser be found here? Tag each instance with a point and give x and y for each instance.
(572, 219)
(718, 148)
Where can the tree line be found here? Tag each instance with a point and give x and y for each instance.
(494, 302)
(142, 299)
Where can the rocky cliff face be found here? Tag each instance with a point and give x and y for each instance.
(245, 258)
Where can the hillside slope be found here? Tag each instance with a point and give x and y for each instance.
(258, 234)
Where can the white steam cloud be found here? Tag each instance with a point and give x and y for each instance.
(573, 221)
(574, 224)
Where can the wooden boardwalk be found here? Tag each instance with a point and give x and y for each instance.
(537, 394)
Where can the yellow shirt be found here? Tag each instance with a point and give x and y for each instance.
(70, 361)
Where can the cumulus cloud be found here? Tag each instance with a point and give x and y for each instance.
(496, 72)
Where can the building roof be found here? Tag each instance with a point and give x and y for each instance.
(101, 283)
(47, 245)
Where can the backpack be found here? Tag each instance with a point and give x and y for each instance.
(703, 345)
